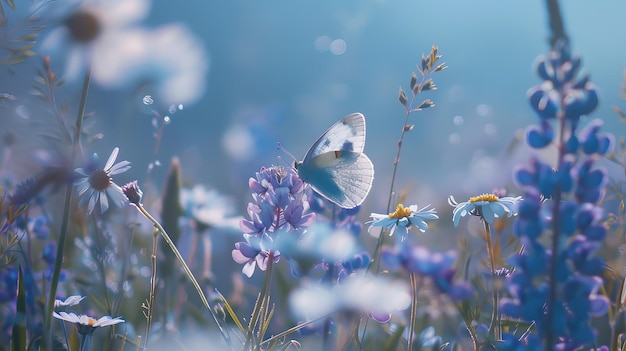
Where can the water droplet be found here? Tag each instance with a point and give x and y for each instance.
(180, 107)
(322, 43)
(147, 100)
(454, 138)
(490, 129)
(172, 109)
(157, 163)
(167, 120)
(483, 110)
(338, 46)
(457, 120)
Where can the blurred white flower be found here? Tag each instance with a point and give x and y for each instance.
(70, 301)
(209, 207)
(364, 294)
(86, 27)
(170, 58)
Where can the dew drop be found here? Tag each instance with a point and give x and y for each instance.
(457, 120)
(338, 46)
(147, 100)
(454, 138)
(490, 129)
(167, 120)
(322, 43)
(172, 109)
(483, 110)
(180, 107)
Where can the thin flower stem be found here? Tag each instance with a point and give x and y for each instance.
(294, 329)
(494, 325)
(58, 262)
(414, 280)
(327, 341)
(405, 127)
(188, 272)
(259, 303)
(150, 306)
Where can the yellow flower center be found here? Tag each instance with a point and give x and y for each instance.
(484, 197)
(400, 212)
(91, 321)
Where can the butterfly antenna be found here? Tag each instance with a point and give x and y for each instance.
(279, 146)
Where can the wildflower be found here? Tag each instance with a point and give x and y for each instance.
(440, 267)
(133, 193)
(278, 207)
(87, 30)
(86, 325)
(70, 301)
(208, 207)
(377, 296)
(254, 251)
(141, 55)
(96, 184)
(404, 217)
(486, 206)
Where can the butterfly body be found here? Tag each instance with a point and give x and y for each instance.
(336, 167)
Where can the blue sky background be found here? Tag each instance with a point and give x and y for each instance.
(271, 80)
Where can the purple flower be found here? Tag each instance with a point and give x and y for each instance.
(254, 252)
(279, 208)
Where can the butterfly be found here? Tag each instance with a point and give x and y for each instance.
(336, 167)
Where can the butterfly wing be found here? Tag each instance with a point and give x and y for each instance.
(347, 134)
(335, 166)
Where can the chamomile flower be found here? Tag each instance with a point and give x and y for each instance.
(486, 206)
(86, 325)
(96, 185)
(86, 26)
(404, 217)
(70, 301)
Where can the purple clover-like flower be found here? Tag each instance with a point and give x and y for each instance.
(279, 207)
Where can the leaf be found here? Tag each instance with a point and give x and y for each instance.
(402, 97)
(171, 211)
(18, 339)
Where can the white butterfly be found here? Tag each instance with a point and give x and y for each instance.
(336, 167)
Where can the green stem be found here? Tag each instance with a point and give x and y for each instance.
(494, 325)
(260, 303)
(150, 306)
(188, 272)
(58, 262)
(414, 301)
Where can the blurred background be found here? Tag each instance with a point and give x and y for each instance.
(286, 70)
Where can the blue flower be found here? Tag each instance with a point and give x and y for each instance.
(96, 185)
(404, 217)
(487, 206)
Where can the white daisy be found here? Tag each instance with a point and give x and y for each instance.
(70, 301)
(85, 26)
(86, 325)
(96, 184)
